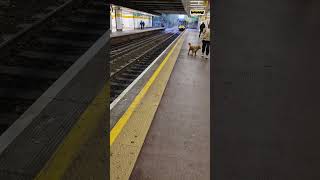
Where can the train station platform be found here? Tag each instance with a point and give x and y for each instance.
(165, 132)
(130, 32)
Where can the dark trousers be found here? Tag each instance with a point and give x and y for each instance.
(205, 46)
(200, 32)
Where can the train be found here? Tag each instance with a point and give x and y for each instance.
(181, 27)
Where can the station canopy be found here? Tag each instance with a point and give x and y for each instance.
(155, 7)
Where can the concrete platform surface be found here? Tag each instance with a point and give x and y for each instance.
(124, 33)
(177, 146)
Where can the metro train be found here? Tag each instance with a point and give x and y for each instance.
(182, 24)
(181, 27)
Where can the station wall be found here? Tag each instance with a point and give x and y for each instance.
(130, 18)
(112, 19)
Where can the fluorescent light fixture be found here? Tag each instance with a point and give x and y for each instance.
(197, 6)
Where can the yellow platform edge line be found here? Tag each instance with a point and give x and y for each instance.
(81, 131)
(115, 131)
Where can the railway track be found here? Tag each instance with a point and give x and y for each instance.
(39, 57)
(136, 62)
(15, 15)
(126, 44)
(134, 46)
(134, 51)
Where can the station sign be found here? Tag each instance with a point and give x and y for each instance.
(197, 12)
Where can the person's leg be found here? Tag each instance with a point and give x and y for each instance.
(208, 48)
(203, 47)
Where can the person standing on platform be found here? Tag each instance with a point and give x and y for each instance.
(141, 24)
(202, 26)
(206, 42)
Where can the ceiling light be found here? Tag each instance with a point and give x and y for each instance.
(196, 6)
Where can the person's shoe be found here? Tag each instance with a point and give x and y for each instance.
(202, 55)
(207, 56)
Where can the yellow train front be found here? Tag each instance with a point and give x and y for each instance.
(181, 28)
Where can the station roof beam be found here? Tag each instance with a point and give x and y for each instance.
(155, 7)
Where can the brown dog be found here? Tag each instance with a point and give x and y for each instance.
(194, 49)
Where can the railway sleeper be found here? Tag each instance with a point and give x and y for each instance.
(135, 72)
(6, 119)
(70, 36)
(64, 42)
(78, 31)
(29, 72)
(85, 23)
(91, 17)
(116, 92)
(121, 80)
(137, 69)
(62, 50)
(43, 64)
(17, 93)
(128, 75)
(92, 12)
(47, 56)
(118, 86)
(98, 4)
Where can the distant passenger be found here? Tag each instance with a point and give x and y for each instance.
(141, 24)
(206, 42)
(202, 26)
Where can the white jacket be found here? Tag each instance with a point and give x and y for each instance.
(206, 35)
